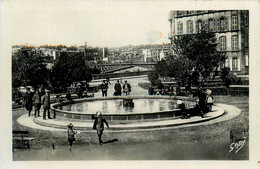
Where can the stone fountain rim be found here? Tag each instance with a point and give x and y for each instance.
(52, 106)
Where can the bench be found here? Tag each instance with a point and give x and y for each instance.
(22, 137)
(238, 134)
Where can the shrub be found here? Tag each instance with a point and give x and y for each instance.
(153, 77)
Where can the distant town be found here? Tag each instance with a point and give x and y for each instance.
(149, 53)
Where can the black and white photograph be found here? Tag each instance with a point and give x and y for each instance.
(129, 81)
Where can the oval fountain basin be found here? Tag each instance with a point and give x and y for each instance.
(146, 108)
(116, 106)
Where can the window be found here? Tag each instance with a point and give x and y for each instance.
(211, 25)
(214, 25)
(180, 28)
(218, 25)
(205, 25)
(234, 25)
(199, 26)
(234, 42)
(222, 24)
(222, 43)
(196, 27)
(235, 64)
(189, 27)
(226, 24)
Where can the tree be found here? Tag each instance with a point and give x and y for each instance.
(153, 77)
(73, 48)
(28, 68)
(71, 68)
(160, 68)
(59, 47)
(196, 56)
(228, 77)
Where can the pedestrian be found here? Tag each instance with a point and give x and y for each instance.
(171, 91)
(104, 88)
(71, 135)
(150, 90)
(37, 103)
(188, 89)
(28, 101)
(79, 92)
(209, 99)
(160, 88)
(68, 96)
(199, 91)
(99, 125)
(108, 81)
(118, 89)
(178, 89)
(202, 103)
(126, 88)
(46, 104)
(182, 107)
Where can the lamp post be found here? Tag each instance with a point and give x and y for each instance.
(121, 81)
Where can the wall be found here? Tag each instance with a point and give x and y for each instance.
(242, 34)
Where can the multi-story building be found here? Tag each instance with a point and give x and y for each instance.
(231, 28)
(155, 54)
(164, 53)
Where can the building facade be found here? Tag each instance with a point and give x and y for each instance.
(231, 28)
(155, 54)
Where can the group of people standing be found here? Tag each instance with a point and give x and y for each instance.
(36, 100)
(117, 87)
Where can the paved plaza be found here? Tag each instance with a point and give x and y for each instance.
(191, 141)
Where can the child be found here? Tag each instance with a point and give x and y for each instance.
(71, 135)
(99, 125)
(209, 99)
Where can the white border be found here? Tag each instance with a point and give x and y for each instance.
(5, 90)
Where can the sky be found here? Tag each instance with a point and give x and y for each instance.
(99, 23)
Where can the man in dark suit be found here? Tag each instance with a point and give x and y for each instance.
(37, 102)
(99, 125)
(68, 96)
(28, 101)
(118, 89)
(127, 88)
(202, 103)
(104, 88)
(46, 100)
